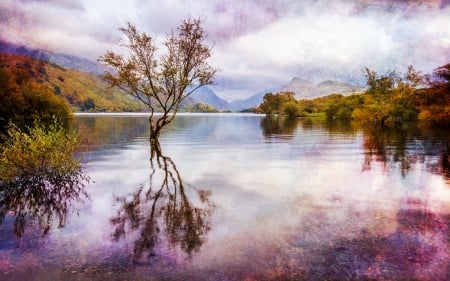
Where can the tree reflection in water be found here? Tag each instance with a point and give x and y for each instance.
(387, 145)
(279, 126)
(393, 147)
(405, 147)
(162, 212)
(34, 200)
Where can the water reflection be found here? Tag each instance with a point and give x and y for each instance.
(395, 148)
(445, 163)
(404, 147)
(103, 132)
(416, 250)
(342, 127)
(439, 144)
(296, 208)
(161, 212)
(278, 126)
(32, 197)
(388, 145)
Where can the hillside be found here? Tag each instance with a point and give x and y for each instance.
(87, 68)
(83, 91)
(305, 89)
(249, 102)
(63, 60)
(207, 96)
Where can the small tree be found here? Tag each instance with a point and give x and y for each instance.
(291, 109)
(161, 83)
(389, 97)
(273, 103)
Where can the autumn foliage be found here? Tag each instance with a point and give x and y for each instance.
(23, 94)
(390, 98)
(434, 101)
(161, 82)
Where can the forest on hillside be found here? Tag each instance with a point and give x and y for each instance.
(36, 88)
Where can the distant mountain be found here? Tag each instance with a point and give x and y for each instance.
(305, 89)
(207, 96)
(252, 101)
(65, 61)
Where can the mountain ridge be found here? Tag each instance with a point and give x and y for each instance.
(207, 96)
(304, 89)
(63, 60)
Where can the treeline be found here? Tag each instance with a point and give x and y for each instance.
(389, 98)
(23, 97)
(199, 107)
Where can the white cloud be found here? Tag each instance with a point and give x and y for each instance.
(256, 43)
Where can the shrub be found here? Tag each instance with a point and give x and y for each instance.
(39, 175)
(291, 109)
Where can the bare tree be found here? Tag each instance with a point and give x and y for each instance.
(163, 81)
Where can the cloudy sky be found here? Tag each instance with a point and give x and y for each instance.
(258, 44)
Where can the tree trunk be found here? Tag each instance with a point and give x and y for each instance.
(156, 126)
(154, 131)
(154, 135)
(383, 121)
(155, 150)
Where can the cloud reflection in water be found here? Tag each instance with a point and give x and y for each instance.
(160, 211)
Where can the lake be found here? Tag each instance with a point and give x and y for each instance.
(246, 197)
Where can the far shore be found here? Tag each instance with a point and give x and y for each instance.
(160, 113)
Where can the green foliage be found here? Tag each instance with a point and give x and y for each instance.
(39, 175)
(291, 109)
(341, 108)
(247, 110)
(201, 107)
(389, 99)
(269, 104)
(278, 126)
(335, 106)
(275, 103)
(43, 104)
(307, 106)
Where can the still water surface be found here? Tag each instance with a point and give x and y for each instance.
(244, 197)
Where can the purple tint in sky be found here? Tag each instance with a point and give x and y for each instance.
(258, 44)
